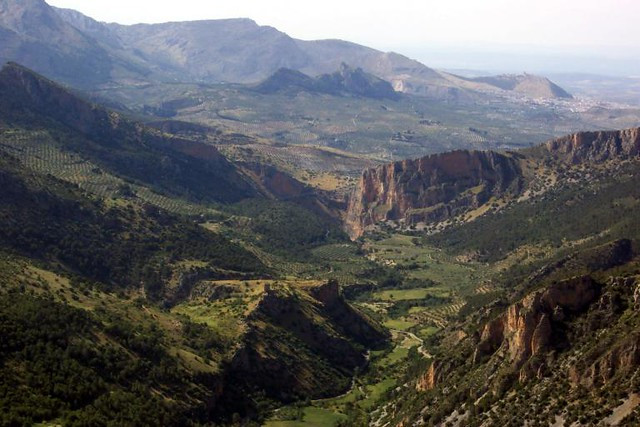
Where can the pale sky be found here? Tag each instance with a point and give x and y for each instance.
(413, 27)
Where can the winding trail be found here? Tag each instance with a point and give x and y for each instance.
(413, 336)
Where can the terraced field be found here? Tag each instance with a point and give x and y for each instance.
(438, 317)
(450, 281)
(341, 262)
(39, 152)
(424, 262)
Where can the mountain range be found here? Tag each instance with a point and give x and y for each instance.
(65, 45)
(259, 230)
(217, 281)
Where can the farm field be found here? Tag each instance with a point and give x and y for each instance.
(39, 152)
(327, 140)
(413, 314)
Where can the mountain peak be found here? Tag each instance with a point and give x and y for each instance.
(33, 18)
(345, 81)
(528, 84)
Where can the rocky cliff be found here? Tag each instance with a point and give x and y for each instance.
(432, 188)
(596, 147)
(442, 186)
(429, 379)
(527, 327)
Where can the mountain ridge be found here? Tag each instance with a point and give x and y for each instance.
(112, 54)
(425, 191)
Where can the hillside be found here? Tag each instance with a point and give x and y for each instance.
(345, 81)
(547, 272)
(565, 353)
(155, 285)
(525, 84)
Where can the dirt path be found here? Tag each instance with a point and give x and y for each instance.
(413, 336)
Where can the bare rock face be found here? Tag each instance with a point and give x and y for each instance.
(596, 147)
(526, 328)
(432, 188)
(621, 359)
(429, 379)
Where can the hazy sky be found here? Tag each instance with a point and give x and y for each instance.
(418, 28)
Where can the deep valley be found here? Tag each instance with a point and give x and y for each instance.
(305, 233)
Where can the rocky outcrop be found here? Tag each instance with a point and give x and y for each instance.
(527, 327)
(429, 379)
(432, 188)
(286, 80)
(620, 360)
(355, 81)
(616, 354)
(596, 147)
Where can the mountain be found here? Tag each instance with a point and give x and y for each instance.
(247, 52)
(116, 234)
(345, 81)
(66, 45)
(117, 144)
(34, 34)
(463, 184)
(526, 84)
(244, 51)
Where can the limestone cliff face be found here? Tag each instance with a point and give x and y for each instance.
(619, 360)
(429, 379)
(431, 188)
(596, 147)
(526, 328)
